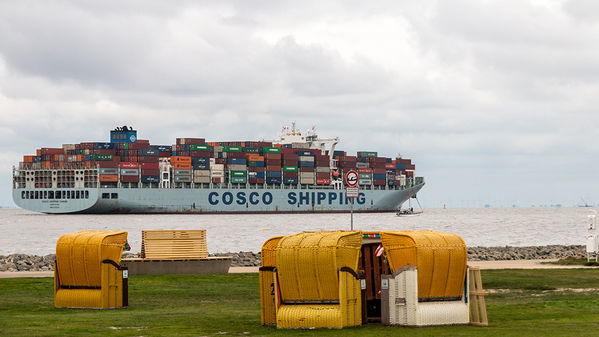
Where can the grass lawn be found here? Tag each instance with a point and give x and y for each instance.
(551, 302)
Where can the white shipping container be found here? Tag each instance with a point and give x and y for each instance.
(236, 167)
(323, 169)
(307, 175)
(307, 181)
(201, 180)
(362, 165)
(305, 158)
(217, 167)
(217, 174)
(201, 173)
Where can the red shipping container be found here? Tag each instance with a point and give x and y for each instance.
(129, 165)
(410, 167)
(108, 164)
(221, 160)
(256, 169)
(150, 172)
(235, 154)
(379, 182)
(410, 173)
(203, 154)
(365, 170)
(285, 151)
(147, 159)
(216, 180)
(322, 175)
(189, 141)
(163, 154)
(51, 151)
(377, 165)
(289, 174)
(273, 168)
(323, 181)
(270, 156)
(306, 169)
(256, 180)
(290, 156)
(272, 162)
(322, 163)
(129, 179)
(153, 166)
(379, 171)
(290, 162)
(390, 166)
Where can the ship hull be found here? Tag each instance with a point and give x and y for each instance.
(222, 200)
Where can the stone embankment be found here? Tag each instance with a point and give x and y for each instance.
(23, 262)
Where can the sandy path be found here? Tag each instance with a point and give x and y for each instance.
(511, 264)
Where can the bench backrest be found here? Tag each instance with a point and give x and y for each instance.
(174, 244)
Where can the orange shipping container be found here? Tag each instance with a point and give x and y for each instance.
(180, 159)
(38, 152)
(46, 164)
(28, 159)
(182, 166)
(109, 177)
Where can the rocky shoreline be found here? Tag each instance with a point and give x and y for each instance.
(23, 262)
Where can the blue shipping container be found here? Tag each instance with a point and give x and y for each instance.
(150, 179)
(400, 166)
(290, 181)
(306, 164)
(147, 153)
(304, 153)
(256, 174)
(236, 161)
(379, 176)
(103, 146)
(273, 180)
(200, 166)
(200, 160)
(274, 174)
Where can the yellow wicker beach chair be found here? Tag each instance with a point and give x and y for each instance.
(87, 272)
(313, 283)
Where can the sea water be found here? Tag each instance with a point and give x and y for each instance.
(35, 233)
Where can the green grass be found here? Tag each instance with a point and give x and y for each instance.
(556, 302)
(574, 261)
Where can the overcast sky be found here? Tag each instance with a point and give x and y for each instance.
(495, 101)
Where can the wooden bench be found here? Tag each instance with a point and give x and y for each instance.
(176, 252)
(174, 244)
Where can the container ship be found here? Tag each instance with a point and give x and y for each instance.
(295, 173)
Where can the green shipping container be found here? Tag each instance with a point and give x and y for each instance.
(271, 150)
(289, 168)
(239, 174)
(367, 154)
(200, 147)
(126, 146)
(251, 150)
(232, 148)
(101, 156)
(239, 180)
(364, 176)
